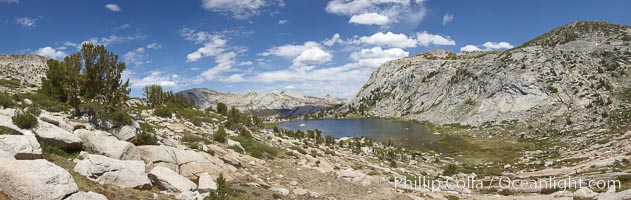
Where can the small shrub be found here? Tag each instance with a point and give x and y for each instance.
(236, 148)
(470, 102)
(24, 120)
(222, 192)
(5, 100)
(255, 148)
(220, 135)
(451, 169)
(298, 149)
(146, 136)
(163, 112)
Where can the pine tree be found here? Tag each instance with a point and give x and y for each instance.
(222, 109)
(220, 135)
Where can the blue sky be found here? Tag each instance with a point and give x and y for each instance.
(315, 47)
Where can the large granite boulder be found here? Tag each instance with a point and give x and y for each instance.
(35, 179)
(56, 136)
(23, 146)
(125, 133)
(103, 143)
(188, 163)
(122, 173)
(169, 180)
(206, 183)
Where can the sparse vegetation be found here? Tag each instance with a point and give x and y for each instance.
(8, 131)
(255, 148)
(146, 135)
(24, 120)
(220, 135)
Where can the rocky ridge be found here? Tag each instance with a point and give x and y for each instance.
(570, 72)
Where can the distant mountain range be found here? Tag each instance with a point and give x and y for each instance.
(283, 104)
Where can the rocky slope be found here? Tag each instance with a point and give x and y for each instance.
(283, 104)
(21, 72)
(570, 72)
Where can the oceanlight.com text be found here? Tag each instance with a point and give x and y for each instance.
(502, 182)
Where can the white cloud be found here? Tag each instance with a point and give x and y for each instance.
(426, 39)
(369, 19)
(138, 56)
(289, 51)
(113, 39)
(290, 87)
(27, 22)
(470, 48)
(303, 56)
(113, 7)
(410, 11)
(50, 53)
(246, 63)
(376, 56)
(488, 46)
(213, 47)
(240, 9)
(155, 77)
(282, 21)
(333, 40)
(154, 45)
(121, 27)
(447, 18)
(498, 45)
(225, 62)
(389, 39)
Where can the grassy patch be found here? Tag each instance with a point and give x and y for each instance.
(53, 150)
(10, 83)
(43, 101)
(257, 149)
(8, 131)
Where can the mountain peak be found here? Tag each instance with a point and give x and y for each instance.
(581, 30)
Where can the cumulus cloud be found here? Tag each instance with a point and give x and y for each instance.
(155, 77)
(488, 46)
(240, 9)
(410, 11)
(426, 39)
(214, 45)
(50, 53)
(470, 48)
(376, 56)
(388, 39)
(447, 18)
(369, 19)
(282, 21)
(113, 7)
(497, 45)
(289, 51)
(336, 38)
(27, 22)
(112, 39)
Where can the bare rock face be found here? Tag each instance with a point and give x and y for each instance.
(103, 143)
(27, 70)
(574, 69)
(167, 179)
(57, 136)
(35, 179)
(125, 133)
(122, 173)
(584, 194)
